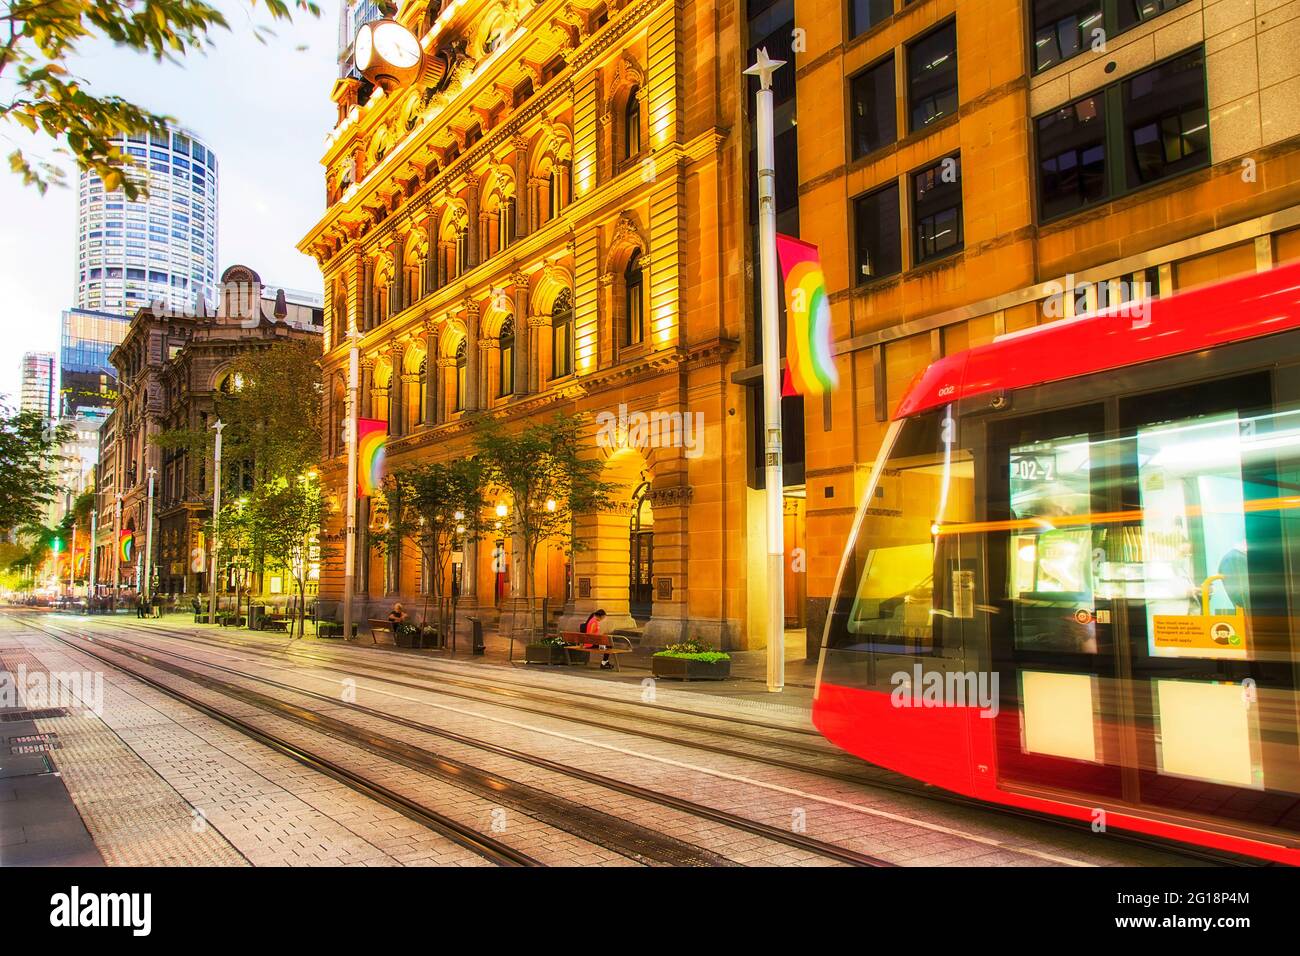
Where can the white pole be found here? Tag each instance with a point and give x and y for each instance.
(92, 584)
(763, 68)
(350, 527)
(146, 587)
(216, 513)
(117, 546)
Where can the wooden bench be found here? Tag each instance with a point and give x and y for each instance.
(575, 641)
(378, 627)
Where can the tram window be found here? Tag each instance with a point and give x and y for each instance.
(909, 586)
(1052, 545)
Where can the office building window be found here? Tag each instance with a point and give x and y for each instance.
(865, 14)
(1072, 156)
(872, 108)
(562, 335)
(932, 76)
(936, 209)
(878, 245)
(1166, 125)
(1064, 28)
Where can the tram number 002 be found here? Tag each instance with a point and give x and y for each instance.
(1034, 468)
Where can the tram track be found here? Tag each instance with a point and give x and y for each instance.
(872, 777)
(626, 838)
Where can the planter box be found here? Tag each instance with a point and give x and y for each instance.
(406, 638)
(333, 629)
(544, 654)
(679, 668)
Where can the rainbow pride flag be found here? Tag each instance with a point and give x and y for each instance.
(372, 442)
(807, 317)
(126, 545)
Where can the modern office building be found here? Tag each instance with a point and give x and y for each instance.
(87, 378)
(40, 382)
(157, 248)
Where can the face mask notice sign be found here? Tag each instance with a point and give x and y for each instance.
(1223, 635)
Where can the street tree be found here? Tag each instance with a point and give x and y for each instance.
(271, 411)
(237, 534)
(287, 515)
(29, 460)
(551, 474)
(436, 506)
(45, 98)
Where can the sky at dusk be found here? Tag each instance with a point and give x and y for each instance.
(263, 108)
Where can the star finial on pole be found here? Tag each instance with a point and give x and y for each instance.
(764, 68)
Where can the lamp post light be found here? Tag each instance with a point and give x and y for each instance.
(148, 543)
(216, 518)
(350, 522)
(763, 68)
(92, 586)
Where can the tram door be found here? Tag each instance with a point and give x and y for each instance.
(1052, 633)
(1143, 555)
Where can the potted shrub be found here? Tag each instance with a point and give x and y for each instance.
(691, 660)
(548, 650)
(406, 634)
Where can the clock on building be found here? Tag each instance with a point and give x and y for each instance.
(387, 54)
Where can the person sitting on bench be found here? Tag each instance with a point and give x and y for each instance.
(591, 626)
(397, 615)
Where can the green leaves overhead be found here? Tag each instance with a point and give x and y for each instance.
(49, 100)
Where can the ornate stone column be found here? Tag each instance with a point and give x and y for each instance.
(471, 203)
(440, 387)
(523, 222)
(523, 335)
(486, 346)
(368, 295)
(607, 324)
(431, 379)
(395, 418)
(397, 295)
(473, 358)
(431, 253)
(367, 386)
(539, 326)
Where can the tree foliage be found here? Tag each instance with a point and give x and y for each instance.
(286, 516)
(46, 98)
(272, 419)
(434, 505)
(29, 459)
(551, 476)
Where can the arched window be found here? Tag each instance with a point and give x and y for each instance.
(506, 358)
(634, 304)
(632, 123)
(462, 362)
(562, 335)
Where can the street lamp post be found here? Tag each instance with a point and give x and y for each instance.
(117, 546)
(147, 586)
(93, 583)
(216, 517)
(763, 68)
(72, 562)
(350, 522)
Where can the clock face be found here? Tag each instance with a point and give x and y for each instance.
(396, 45)
(364, 47)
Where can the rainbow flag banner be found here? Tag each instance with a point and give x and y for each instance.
(126, 545)
(807, 317)
(372, 442)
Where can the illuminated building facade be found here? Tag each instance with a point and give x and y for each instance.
(536, 209)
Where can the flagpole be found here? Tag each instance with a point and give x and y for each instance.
(763, 68)
(350, 526)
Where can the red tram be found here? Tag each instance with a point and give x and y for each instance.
(1073, 581)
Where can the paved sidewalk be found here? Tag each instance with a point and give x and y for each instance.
(748, 668)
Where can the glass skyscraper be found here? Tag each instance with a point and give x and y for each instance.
(87, 377)
(160, 247)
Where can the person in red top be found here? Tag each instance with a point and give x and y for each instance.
(592, 627)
